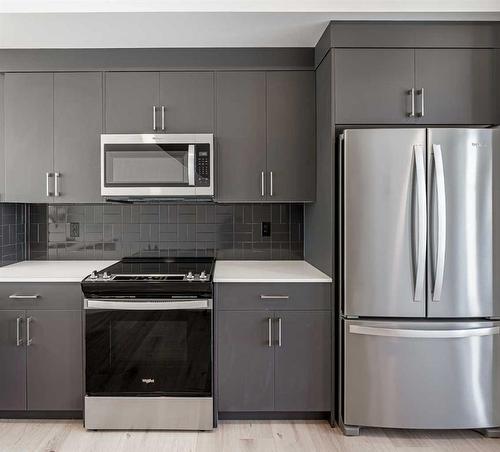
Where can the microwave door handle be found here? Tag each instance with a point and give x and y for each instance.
(191, 164)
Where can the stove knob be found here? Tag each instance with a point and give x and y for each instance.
(203, 275)
(106, 275)
(190, 275)
(93, 275)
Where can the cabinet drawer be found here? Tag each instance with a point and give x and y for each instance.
(273, 296)
(49, 296)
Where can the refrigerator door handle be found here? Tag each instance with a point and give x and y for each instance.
(422, 222)
(441, 213)
(429, 334)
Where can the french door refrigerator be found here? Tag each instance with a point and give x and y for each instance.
(420, 322)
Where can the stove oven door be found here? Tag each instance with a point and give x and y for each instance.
(150, 352)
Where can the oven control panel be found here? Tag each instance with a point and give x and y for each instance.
(202, 153)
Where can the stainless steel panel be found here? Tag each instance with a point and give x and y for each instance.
(422, 374)
(146, 304)
(380, 222)
(149, 413)
(460, 223)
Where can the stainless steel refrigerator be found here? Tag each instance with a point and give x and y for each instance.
(420, 345)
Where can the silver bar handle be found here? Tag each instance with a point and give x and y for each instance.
(191, 168)
(441, 202)
(29, 341)
(163, 118)
(154, 118)
(56, 184)
(274, 297)
(429, 334)
(422, 222)
(262, 184)
(147, 304)
(271, 188)
(16, 296)
(269, 332)
(19, 340)
(279, 331)
(421, 93)
(411, 93)
(47, 184)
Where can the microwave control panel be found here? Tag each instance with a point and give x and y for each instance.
(202, 165)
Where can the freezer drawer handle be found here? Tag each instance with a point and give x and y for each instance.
(429, 334)
(441, 212)
(422, 223)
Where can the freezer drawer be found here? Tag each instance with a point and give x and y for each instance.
(421, 374)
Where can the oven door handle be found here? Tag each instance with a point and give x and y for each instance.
(147, 304)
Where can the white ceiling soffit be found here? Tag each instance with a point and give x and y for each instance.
(207, 23)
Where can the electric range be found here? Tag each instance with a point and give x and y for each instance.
(149, 344)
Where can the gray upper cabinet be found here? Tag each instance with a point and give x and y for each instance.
(28, 136)
(241, 136)
(372, 85)
(13, 361)
(77, 129)
(130, 101)
(55, 369)
(302, 361)
(458, 85)
(187, 100)
(246, 361)
(291, 163)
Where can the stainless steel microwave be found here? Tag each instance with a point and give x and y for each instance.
(157, 165)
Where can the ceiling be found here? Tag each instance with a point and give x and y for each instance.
(207, 23)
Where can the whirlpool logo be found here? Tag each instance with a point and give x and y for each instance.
(148, 380)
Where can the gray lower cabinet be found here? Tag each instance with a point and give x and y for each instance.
(29, 143)
(188, 102)
(41, 347)
(54, 372)
(291, 140)
(273, 360)
(130, 99)
(246, 361)
(241, 136)
(302, 365)
(12, 361)
(459, 85)
(372, 85)
(77, 130)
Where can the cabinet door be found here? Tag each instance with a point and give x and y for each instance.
(130, 98)
(371, 85)
(188, 98)
(55, 363)
(458, 85)
(241, 135)
(28, 136)
(303, 361)
(246, 361)
(12, 361)
(77, 129)
(291, 136)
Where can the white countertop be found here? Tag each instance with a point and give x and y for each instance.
(225, 271)
(268, 272)
(50, 271)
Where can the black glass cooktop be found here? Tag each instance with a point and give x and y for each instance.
(159, 269)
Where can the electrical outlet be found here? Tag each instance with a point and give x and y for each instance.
(74, 230)
(266, 229)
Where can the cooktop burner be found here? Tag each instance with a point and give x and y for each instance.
(140, 275)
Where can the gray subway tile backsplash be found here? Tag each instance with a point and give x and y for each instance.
(12, 233)
(111, 231)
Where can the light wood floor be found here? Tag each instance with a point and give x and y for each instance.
(233, 436)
